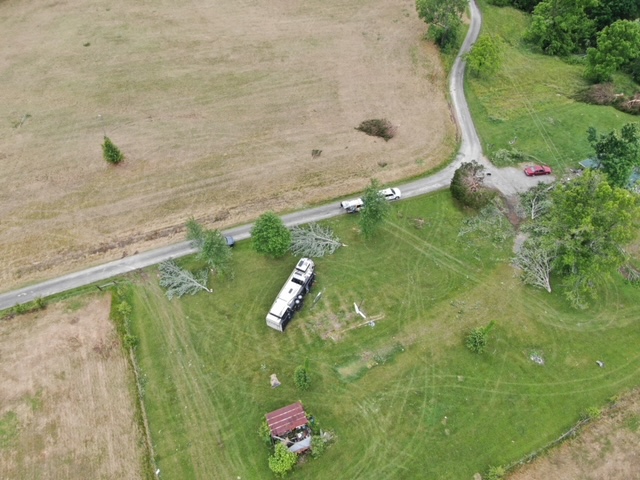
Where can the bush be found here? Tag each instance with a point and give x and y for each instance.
(504, 157)
(301, 378)
(378, 127)
(318, 446)
(111, 153)
(477, 339)
(496, 473)
(282, 461)
(265, 432)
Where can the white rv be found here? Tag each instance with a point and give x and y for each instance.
(291, 297)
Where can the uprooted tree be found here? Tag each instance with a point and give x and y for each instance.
(314, 240)
(536, 201)
(535, 260)
(467, 186)
(179, 282)
(581, 237)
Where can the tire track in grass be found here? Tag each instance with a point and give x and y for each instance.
(194, 405)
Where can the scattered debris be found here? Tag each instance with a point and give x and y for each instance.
(275, 383)
(359, 312)
(372, 324)
(600, 364)
(315, 153)
(536, 357)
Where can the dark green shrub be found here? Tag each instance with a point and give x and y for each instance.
(111, 153)
(301, 378)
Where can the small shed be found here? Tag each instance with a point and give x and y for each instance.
(291, 425)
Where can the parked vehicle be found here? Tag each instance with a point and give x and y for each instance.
(391, 193)
(357, 204)
(352, 206)
(291, 297)
(537, 170)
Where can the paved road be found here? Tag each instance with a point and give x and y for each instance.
(470, 149)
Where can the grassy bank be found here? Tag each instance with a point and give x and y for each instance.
(405, 398)
(530, 104)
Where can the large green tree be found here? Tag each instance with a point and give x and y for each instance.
(485, 58)
(587, 227)
(376, 208)
(561, 27)
(608, 11)
(617, 153)
(212, 246)
(270, 236)
(444, 18)
(618, 49)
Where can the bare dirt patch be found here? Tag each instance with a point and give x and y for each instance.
(605, 450)
(217, 108)
(66, 402)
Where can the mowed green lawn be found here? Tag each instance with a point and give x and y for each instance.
(530, 104)
(405, 398)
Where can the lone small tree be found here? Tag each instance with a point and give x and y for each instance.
(282, 461)
(179, 282)
(314, 240)
(270, 236)
(376, 208)
(477, 338)
(301, 377)
(110, 152)
(212, 246)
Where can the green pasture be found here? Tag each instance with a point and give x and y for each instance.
(531, 105)
(404, 398)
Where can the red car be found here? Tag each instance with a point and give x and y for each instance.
(537, 170)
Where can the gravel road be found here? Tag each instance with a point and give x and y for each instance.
(508, 181)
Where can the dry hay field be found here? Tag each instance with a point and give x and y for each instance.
(216, 105)
(606, 449)
(66, 399)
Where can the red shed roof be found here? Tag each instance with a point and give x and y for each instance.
(286, 419)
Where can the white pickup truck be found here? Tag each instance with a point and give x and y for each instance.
(291, 297)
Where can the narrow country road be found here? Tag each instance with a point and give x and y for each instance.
(507, 180)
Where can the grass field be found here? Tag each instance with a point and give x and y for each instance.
(404, 398)
(216, 106)
(531, 105)
(67, 396)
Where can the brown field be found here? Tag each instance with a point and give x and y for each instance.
(66, 404)
(606, 450)
(217, 106)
